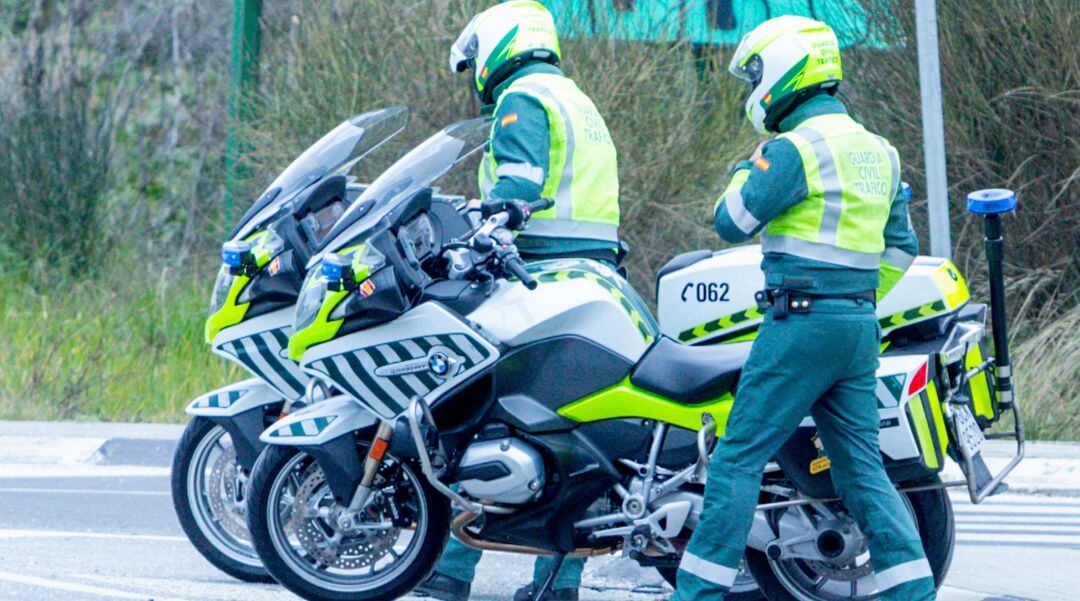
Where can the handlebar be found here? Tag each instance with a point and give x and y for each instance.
(515, 267)
(542, 204)
(492, 241)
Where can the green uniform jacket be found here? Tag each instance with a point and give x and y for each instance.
(772, 186)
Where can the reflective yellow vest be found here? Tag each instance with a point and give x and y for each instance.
(582, 174)
(852, 176)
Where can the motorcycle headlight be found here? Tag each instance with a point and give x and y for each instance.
(311, 298)
(221, 289)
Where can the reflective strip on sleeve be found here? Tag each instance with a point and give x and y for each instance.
(826, 253)
(567, 228)
(706, 570)
(897, 258)
(736, 208)
(904, 572)
(524, 171)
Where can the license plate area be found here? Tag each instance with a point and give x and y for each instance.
(969, 436)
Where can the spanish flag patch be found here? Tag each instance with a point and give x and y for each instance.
(762, 163)
(509, 119)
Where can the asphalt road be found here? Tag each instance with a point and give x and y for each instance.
(110, 533)
(78, 530)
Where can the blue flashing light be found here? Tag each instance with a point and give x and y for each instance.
(334, 267)
(234, 253)
(993, 201)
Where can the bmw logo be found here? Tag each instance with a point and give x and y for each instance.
(439, 364)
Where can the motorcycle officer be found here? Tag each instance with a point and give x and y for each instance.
(825, 196)
(547, 141)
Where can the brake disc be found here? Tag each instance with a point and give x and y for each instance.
(224, 495)
(318, 533)
(841, 573)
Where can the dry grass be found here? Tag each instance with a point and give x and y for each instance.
(1048, 379)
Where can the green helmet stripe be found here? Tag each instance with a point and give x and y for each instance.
(498, 56)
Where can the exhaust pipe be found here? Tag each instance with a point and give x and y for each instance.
(462, 520)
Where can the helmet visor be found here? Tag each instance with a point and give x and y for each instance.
(463, 52)
(739, 58)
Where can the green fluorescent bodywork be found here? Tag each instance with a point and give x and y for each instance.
(625, 400)
(232, 313)
(723, 324)
(323, 328)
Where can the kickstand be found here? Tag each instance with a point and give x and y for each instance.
(549, 582)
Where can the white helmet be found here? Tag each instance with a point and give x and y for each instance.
(502, 37)
(781, 58)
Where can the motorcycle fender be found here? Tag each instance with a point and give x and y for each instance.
(234, 399)
(320, 423)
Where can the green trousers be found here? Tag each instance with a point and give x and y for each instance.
(459, 561)
(821, 364)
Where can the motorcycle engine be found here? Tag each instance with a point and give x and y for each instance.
(504, 470)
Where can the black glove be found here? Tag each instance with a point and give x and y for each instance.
(517, 211)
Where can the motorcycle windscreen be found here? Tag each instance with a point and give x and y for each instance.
(410, 174)
(335, 153)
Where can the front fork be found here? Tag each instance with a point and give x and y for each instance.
(372, 462)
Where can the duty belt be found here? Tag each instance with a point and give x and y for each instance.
(785, 302)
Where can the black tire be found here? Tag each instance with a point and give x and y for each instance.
(272, 460)
(197, 430)
(669, 575)
(934, 518)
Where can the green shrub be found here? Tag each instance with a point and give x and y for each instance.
(126, 345)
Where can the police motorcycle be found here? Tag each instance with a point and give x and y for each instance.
(249, 324)
(550, 408)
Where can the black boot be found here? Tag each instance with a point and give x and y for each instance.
(525, 593)
(444, 588)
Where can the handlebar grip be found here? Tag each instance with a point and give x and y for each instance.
(541, 205)
(516, 268)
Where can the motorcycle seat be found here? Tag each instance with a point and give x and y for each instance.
(689, 374)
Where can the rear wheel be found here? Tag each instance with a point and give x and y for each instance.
(805, 580)
(210, 496)
(383, 554)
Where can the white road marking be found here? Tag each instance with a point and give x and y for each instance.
(1017, 528)
(1018, 521)
(1021, 520)
(12, 533)
(15, 470)
(85, 491)
(81, 588)
(225, 591)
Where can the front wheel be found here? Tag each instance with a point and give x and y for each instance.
(209, 494)
(805, 580)
(391, 545)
